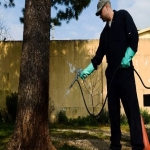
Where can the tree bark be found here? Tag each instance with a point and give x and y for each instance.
(31, 128)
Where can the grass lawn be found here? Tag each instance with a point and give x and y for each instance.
(6, 131)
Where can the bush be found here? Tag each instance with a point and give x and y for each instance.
(123, 119)
(4, 116)
(1, 117)
(80, 121)
(61, 117)
(11, 103)
(145, 115)
(103, 118)
(83, 121)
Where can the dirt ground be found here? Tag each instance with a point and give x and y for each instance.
(93, 144)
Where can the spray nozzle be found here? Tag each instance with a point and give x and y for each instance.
(78, 71)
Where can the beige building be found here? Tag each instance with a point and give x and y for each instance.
(144, 33)
(65, 57)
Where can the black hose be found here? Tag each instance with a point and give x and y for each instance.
(141, 79)
(94, 116)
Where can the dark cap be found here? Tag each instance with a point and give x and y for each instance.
(100, 5)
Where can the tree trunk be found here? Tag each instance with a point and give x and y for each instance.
(31, 128)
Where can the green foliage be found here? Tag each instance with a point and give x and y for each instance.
(103, 118)
(123, 119)
(4, 116)
(9, 115)
(83, 121)
(22, 18)
(0, 117)
(145, 115)
(6, 131)
(73, 8)
(80, 121)
(11, 103)
(9, 3)
(62, 118)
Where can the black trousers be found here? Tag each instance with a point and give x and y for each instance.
(123, 88)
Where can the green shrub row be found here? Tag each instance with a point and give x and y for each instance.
(80, 121)
(103, 119)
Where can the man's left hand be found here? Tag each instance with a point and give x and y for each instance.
(125, 63)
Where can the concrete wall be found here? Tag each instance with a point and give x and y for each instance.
(10, 53)
(65, 58)
(142, 65)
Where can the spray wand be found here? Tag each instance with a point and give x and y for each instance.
(78, 71)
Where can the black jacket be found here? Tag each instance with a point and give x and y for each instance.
(114, 40)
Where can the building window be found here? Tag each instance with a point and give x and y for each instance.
(146, 100)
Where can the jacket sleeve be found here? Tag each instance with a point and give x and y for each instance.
(97, 59)
(131, 31)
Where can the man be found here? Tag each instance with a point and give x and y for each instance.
(118, 41)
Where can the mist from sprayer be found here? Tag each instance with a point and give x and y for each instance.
(63, 101)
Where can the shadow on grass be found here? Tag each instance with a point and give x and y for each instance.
(83, 139)
(6, 131)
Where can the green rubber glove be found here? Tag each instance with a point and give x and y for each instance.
(87, 71)
(125, 63)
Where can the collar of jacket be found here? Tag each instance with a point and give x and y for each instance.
(107, 23)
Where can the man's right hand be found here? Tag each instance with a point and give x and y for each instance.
(87, 71)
